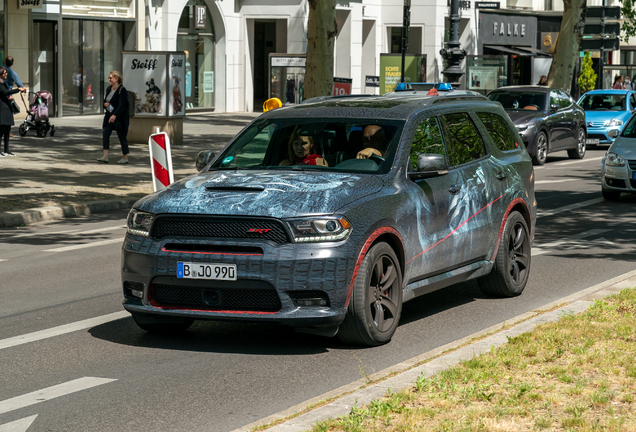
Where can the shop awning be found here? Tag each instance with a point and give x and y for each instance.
(510, 50)
(533, 50)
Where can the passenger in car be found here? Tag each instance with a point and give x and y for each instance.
(303, 150)
(375, 142)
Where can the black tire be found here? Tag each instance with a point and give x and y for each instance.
(22, 130)
(52, 132)
(41, 131)
(375, 306)
(579, 151)
(611, 195)
(542, 146)
(510, 273)
(161, 325)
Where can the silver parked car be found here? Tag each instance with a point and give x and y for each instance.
(618, 167)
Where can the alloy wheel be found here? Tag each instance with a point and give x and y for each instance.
(383, 296)
(518, 253)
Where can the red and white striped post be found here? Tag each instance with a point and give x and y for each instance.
(160, 160)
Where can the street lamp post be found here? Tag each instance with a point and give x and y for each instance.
(453, 54)
(406, 21)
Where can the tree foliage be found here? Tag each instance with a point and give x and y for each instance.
(628, 13)
(321, 33)
(587, 80)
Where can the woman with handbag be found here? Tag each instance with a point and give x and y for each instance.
(115, 116)
(6, 113)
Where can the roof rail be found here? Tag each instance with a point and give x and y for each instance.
(458, 95)
(330, 97)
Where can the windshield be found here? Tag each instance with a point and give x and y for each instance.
(350, 145)
(629, 131)
(533, 101)
(603, 102)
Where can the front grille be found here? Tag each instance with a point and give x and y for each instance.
(191, 297)
(632, 164)
(596, 124)
(615, 183)
(633, 183)
(207, 227)
(596, 136)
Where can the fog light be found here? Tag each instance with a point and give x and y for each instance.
(311, 302)
(137, 293)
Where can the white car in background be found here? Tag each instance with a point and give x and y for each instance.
(618, 167)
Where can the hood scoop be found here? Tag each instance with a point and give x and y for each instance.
(253, 189)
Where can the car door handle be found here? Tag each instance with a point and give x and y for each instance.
(501, 175)
(454, 188)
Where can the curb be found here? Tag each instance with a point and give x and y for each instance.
(26, 217)
(403, 375)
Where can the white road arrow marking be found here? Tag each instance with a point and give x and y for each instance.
(573, 242)
(19, 425)
(51, 393)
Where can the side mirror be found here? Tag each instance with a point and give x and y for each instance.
(613, 133)
(429, 165)
(554, 107)
(204, 158)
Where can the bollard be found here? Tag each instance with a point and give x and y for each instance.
(160, 160)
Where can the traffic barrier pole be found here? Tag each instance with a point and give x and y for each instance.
(160, 160)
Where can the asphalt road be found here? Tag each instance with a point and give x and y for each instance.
(73, 360)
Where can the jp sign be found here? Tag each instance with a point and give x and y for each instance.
(200, 19)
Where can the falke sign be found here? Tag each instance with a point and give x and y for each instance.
(507, 29)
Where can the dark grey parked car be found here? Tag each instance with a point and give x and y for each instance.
(292, 224)
(547, 119)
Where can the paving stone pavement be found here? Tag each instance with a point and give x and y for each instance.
(55, 177)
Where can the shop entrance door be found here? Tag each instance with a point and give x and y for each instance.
(44, 60)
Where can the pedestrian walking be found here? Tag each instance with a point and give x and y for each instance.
(115, 116)
(6, 115)
(618, 82)
(12, 76)
(627, 83)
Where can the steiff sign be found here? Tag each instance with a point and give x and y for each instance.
(508, 29)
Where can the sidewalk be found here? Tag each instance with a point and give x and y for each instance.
(55, 177)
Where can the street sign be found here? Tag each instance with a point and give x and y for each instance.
(597, 29)
(611, 12)
(486, 5)
(372, 81)
(342, 86)
(610, 44)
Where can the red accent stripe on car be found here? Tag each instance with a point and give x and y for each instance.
(503, 223)
(455, 230)
(163, 249)
(377, 233)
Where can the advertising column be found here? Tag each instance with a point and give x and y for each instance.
(157, 79)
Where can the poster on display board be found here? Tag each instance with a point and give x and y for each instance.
(145, 74)
(177, 68)
(482, 78)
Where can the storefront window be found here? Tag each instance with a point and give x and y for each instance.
(91, 49)
(93, 8)
(199, 48)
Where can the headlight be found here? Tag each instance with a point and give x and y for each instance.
(139, 222)
(524, 128)
(613, 122)
(614, 160)
(320, 229)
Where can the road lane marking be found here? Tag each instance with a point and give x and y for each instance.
(560, 164)
(85, 245)
(60, 330)
(570, 207)
(43, 233)
(553, 181)
(3, 260)
(100, 230)
(51, 393)
(19, 425)
(574, 240)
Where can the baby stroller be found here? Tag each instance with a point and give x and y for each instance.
(37, 114)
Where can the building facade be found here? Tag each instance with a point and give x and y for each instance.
(68, 47)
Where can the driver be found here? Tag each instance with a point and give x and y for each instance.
(374, 141)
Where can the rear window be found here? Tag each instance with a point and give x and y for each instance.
(499, 131)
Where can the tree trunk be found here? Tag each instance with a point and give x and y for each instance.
(566, 51)
(321, 32)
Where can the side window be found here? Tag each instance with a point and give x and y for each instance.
(554, 99)
(465, 144)
(427, 139)
(632, 100)
(564, 99)
(499, 131)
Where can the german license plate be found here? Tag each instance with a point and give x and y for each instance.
(592, 141)
(188, 270)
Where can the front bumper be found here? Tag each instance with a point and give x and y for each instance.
(619, 178)
(270, 285)
(601, 134)
(529, 137)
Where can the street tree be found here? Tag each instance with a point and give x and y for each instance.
(587, 80)
(566, 51)
(628, 13)
(321, 33)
